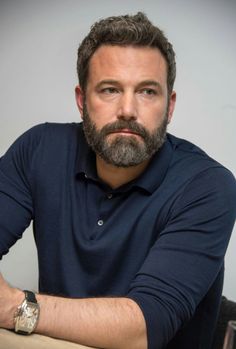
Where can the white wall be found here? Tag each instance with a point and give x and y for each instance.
(39, 40)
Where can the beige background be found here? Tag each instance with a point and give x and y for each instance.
(39, 40)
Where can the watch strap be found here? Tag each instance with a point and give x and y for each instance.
(30, 296)
(24, 333)
(23, 324)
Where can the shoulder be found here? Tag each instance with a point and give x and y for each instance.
(190, 161)
(184, 149)
(43, 143)
(48, 135)
(48, 129)
(204, 181)
(195, 177)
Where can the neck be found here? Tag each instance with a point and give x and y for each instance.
(117, 176)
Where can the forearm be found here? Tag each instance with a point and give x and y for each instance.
(98, 322)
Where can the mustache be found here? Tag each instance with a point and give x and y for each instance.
(118, 125)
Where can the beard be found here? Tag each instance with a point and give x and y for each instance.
(124, 151)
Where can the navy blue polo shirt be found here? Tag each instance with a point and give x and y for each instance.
(159, 240)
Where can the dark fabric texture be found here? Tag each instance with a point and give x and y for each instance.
(159, 240)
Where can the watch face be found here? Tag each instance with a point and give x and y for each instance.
(27, 317)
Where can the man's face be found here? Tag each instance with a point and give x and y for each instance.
(126, 108)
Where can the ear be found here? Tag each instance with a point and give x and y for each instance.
(172, 101)
(79, 96)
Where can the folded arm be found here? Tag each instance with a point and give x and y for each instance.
(97, 322)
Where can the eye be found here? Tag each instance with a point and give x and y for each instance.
(149, 91)
(109, 90)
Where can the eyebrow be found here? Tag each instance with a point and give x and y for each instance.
(150, 83)
(107, 82)
(141, 84)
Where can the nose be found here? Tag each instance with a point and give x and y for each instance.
(127, 109)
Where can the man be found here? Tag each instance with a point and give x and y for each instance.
(131, 224)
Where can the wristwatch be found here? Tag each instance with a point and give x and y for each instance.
(27, 314)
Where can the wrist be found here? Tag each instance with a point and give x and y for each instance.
(17, 297)
(27, 314)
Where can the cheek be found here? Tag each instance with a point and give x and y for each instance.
(152, 116)
(101, 112)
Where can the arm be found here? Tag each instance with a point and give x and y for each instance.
(107, 322)
(179, 284)
(98, 322)
(16, 202)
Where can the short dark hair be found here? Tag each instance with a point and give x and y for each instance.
(125, 30)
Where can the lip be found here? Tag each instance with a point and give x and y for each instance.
(126, 131)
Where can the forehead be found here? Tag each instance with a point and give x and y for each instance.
(127, 62)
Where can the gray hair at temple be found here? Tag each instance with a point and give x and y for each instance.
(125, 30)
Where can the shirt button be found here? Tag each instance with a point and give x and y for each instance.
(109, 196)
(100, 222)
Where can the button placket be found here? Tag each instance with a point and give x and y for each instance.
(104, 209)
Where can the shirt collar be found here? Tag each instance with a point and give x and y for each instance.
(150, 179)
(86, 159)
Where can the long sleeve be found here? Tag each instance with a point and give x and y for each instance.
(188, 256)
(16, 202)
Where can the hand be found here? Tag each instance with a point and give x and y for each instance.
(10, 299)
